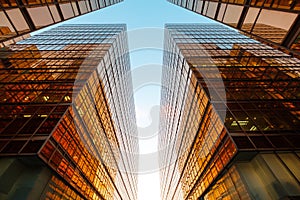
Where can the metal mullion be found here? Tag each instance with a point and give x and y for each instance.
(167, 153)
(26, 15)
(60, 149)
(288, 169)
(210, 162)
(185, 126)
(50, 11)
(78, 7)
(59, 10)
(90, 4)
(47, 161)
(72, 8)
(167, 121)
(293, 5)
(11, 23)
(171, 97)
(41, 124)
(17, 133)
(292, 34)
(186, 3)
(106, 138)
(271, 4)
(194, 141)
(113, 127)
(244, 14)
(218, 10)
(225, 10)
(203, 5)
(254, 23)
(193, 6)
(118, 100)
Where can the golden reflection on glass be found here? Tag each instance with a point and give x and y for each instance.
(256, 107)
(56, 105)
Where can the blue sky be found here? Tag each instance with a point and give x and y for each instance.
(145, 20)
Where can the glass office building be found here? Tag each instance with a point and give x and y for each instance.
(68, 127)
(229, 117)
(20, 17)
(276, 22)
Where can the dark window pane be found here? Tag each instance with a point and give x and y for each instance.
(3, 143)
(243, 142)
(33, 146)
(294, 140)
(261, 142)
(32, 125)
(13, 147)
(279, 141)
(15, 126)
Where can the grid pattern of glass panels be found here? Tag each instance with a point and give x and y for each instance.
(273, 21)
(19, 174)
(70, 104)
(19, 17)
(261, 104)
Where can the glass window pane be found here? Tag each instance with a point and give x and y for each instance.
(55, 13)
(212, 9)
(221, 12)
(292, 162)
(40, 16)
(83, 7)
(18, 20)
(288, 182)
(67, 11)
(232, 14)
(273, 25)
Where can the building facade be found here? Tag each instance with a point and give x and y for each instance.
(276, 22)
(67, 116)
(229, 124)
(20, 17)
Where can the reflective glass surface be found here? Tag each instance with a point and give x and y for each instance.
(69, 101)
(19, 17)
(275, 22)
(224, 94)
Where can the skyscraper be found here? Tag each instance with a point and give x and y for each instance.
(20, 17)
(229, 118)
(276, 22)
(67, 118)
